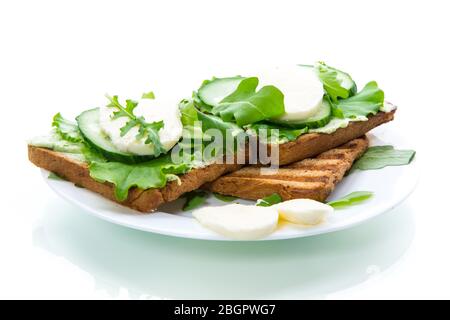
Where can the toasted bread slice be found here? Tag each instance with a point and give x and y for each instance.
(138, 199)
(305, 146)
(310, 178)
(312, 144)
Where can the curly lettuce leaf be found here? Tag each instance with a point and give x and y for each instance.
(68, 130)
(336, 83)
(351, 199)
(147, 175)
(366, 102)
(67, 138)
(378, 157)
(246, 105)
(91, 154)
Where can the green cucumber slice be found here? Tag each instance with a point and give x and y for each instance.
(215, 90)
(320, 119)
(88, 122)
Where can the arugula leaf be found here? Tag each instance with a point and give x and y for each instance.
(245, 105)
(335, 111)
(269, 200)
(280, 134)
(229, 131)
(68, 130)
(381, 156)
(54, 176)
(368, 101)
(150, 130)
(147, 175)
(146, 130)
(351, 199)
(148, 95)
(213, 122)
(224, 198)
(336, 83)
(194, 199)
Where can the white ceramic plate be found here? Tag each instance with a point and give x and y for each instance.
(390, 185)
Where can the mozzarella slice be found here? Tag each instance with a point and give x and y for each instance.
(152, 110)
(238, 221)
(303, 211)
(302, 89)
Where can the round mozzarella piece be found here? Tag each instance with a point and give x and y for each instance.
(152, 110)
(238, 221)
(303, 211)
(302, 89)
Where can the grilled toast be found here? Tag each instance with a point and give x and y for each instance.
(313, 178)
(307, 145)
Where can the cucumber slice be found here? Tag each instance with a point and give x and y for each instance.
(88, 122)
(320, 119)
(215, 90)
(347, 82)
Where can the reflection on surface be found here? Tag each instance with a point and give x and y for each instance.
(151, 265)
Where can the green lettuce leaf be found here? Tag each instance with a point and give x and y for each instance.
(91, 154)
(188, 113)
(68, 130)
(246, 105)
(336, 83)
(147, 175)
(366, 102)
(269, 200)
(194, 199)
(382, 156)
(279, 133)
(351, 199)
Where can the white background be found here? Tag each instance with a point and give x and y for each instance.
(64, 55)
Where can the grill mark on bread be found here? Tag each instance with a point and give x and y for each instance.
(310, 178)
(284, 174)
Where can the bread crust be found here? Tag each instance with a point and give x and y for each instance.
(306, 146)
